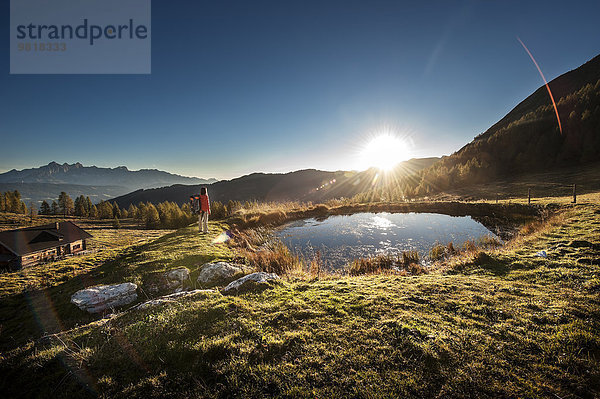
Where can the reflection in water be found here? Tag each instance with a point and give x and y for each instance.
(382, 222)
(345, 237)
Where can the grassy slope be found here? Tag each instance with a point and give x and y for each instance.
(543, 185)
(507, 324)
(36, 300)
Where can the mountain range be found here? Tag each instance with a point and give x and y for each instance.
(528, 139)
(46, 182)
(302, 185)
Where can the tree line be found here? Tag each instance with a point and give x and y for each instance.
(10, 201)
(166, 214)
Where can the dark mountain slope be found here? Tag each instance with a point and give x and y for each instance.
(302, 185)
(527, 139)
(562, 86)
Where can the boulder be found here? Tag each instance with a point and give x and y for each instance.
(102, 297)
(252, 282)
(157, 283)
(175, 297)
(177, 276)
(219, 273)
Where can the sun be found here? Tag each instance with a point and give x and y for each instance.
(384, 152)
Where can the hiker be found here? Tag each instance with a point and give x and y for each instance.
(204, 211)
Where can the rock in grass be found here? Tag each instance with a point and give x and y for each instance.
(219, 273)
(177, 276)
(252, 282)
(102, 297)
(174, 297)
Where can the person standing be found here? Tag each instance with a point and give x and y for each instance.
(204, 211)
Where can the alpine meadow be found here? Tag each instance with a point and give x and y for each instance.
(267, 199)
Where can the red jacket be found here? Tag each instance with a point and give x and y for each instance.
(204, 204)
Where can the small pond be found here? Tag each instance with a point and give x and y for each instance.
(342, 238)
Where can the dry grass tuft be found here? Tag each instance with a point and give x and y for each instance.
(274, 258)
(406, 263)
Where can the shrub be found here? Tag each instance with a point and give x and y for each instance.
(407, 262)
(437, 252)
(488, 242)
(276, 258)
(469, 246)
(272, 218)
(451, 249)
(218, 210)
(410, 257)
(316, 265)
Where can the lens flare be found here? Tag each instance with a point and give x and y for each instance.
(545, 82)
(221, 238)
(384, 152)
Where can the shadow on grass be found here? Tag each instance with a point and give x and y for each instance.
(491, 264)
(482, 262)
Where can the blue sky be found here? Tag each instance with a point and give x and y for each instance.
(239, 87)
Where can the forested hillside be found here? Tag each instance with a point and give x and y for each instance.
(526, 140)
(301, 185)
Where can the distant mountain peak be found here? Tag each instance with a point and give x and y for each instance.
(78, 174)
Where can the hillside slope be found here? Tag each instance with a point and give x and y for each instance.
(302, 185)
(528, 138)
(507, 324)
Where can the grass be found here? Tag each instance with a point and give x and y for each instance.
(276, 258)
(36, 300)
(106, 245)
(10, 221)
(554, 186)
(441, 252)
(406, 263)
(497, 323)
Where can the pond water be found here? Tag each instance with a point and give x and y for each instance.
(342, 238)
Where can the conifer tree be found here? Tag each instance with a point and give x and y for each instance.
(151, 217)
(44, 208)
(80, 207)
(116, 210)
(88, 205)
(132, 211)
(32, 211)
(93, 212)
(105, 210)
(65, 203)
(54, 208)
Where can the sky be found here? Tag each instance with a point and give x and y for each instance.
(277, 86)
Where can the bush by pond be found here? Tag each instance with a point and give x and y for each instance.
(407, 262)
